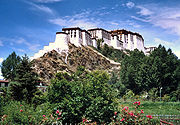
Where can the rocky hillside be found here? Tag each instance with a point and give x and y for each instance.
(52, 62)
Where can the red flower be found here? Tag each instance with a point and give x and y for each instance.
(85, 120)
(21, 110)
(57, 112)
(115, 113)
(58, 118)
(125, 108)
(142, 111)
(135, 103)
(139, 103)
(149, 116)
(21, 105)
(44, 116)
(122, 119)
(131, 114)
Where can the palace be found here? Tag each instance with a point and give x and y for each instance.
(118, 39)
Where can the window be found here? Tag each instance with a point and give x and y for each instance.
(71, 32)
(75, 34)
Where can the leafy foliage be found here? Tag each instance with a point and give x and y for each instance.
(160, 69)
(25, 81)
(8, 67)
(85, 95)
(110, 52)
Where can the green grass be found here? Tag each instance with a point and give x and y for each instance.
(157, 108)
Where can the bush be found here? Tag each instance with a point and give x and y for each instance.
(21, 113)
(87, 95)
(166, 98)
(134, 117)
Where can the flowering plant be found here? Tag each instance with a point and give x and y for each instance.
(136, 116)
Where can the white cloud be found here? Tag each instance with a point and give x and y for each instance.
(130, 4)
(168, 44)
(164, 17)
(163, 42)
(33, 47)
(23, 42)
(140, 19)
(144, 11)
(82, 20)
(20, 40)
(43, 8)
(1, 43)
(47, 1)
(114, 23)
(21, 50)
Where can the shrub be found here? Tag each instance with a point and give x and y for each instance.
(22, 113)
(87, 95)
(166, 98)
(135, 116)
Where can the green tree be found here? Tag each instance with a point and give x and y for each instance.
(167, 69)
(83, 94)
(99, 44)
(129, 70)
(106, 50)
(9, 65)
(25, 79)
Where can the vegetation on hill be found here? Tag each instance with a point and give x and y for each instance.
(160, 69)
(141, 73)
(110, 52)
(52, 62)
(85, 96)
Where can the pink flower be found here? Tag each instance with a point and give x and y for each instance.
(21, 105)
(142, 111)
(44, 116)
(125, 108)
(115, 113)
(139, 103)
(58, 118)
(85, 120)
(135, 103)
(131, 114)
(122, 119)
(57, 112)
(21, 110)
(149, 116)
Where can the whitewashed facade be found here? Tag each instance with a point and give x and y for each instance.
(119, 39)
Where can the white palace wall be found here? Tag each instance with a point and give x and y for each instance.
(122, 39)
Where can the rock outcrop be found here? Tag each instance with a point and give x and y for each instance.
(68, 61)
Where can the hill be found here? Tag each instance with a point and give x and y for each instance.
(68, 61)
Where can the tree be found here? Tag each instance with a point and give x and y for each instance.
(106, 50)
(129, 70)
(83, 94)
(99, 44)
(160, 69)
(167, 69)
(25, 79)
(9, 65)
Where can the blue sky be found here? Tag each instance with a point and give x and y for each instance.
(28, 25)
